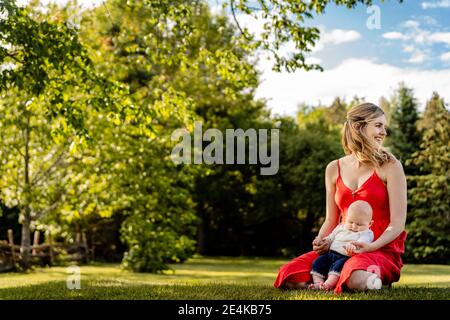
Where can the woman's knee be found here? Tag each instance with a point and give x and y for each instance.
(358, 280)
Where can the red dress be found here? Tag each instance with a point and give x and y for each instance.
(386, 262)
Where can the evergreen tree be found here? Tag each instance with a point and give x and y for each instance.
(405, 138)
(432, 108)
(429, 215)
(337, 112)
(386, 106)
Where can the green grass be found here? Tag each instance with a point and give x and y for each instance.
(206, 278)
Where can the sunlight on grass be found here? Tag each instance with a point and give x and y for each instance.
(205, 278)
(425, 276)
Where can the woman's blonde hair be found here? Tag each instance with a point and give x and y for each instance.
(355, 141)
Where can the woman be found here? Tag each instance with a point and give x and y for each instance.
(369, 173)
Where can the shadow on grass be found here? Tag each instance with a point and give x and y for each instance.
(126, 290)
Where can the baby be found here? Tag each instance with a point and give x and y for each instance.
(355, 228)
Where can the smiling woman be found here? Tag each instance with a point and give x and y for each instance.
(370, 173)
(364, 132)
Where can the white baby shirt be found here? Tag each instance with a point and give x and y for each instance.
(341, 236)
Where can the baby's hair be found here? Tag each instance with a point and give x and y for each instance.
(362, 206)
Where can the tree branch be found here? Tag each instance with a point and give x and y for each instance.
(38, 177)
(18, 150)
(237, 22)
(51, 207)
(12, 56)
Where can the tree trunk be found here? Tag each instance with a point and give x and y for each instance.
(25, 247)
(201, 236)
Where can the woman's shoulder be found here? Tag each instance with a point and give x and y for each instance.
(333, 165)
(332, 169)
(392, 166)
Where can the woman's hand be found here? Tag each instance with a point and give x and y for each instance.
(356, 247)
(350, 248)
(321, 246)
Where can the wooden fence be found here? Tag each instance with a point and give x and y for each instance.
(47, 253)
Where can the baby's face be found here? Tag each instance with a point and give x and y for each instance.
(357, 221)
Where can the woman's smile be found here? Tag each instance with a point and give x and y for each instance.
(379, 139)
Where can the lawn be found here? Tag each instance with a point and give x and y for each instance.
(206, 278)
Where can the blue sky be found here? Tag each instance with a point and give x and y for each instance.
(412, 17)
(412, 46)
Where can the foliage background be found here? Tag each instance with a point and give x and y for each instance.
(87, 112)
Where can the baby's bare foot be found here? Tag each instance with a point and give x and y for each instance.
(326, 287)
(315, 286)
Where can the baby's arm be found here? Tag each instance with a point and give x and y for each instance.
(366, 236)
(330, 238)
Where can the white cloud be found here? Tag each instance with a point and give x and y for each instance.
(419, 36)
(327, 38)
(338, 36)
(443, 37)
(411, 24)
(394, 36)
(436, 4)
(352, 77)
(430, 21)
(313, 60)
(335, 37)
(408, 48)
(445, 57)
(417, 57)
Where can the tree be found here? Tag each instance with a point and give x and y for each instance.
(49, 82)
(336, 113)
(433, 107)
(305, 152)
(385, 105)
(156, 51)
(429, 217)
(405, 138)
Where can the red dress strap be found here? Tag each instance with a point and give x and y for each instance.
(339, 169)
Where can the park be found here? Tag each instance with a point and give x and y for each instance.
(120, 177)
(205, 278)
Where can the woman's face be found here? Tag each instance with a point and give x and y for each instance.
(376, 130)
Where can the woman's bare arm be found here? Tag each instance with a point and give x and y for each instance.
(332, 211)
(396, 186)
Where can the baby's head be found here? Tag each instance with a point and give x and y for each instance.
(359, 216)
